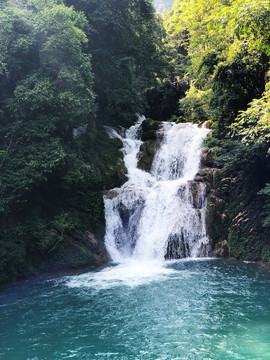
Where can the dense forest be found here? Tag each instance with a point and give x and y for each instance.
(67, 68)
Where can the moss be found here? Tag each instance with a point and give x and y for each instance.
(151, 142)
(208, 158)
(146, 155)
(216, 214)
(247, 239)
(149, 129)
(81, 250)
(217, 221)
(235, 214)
(149, 135)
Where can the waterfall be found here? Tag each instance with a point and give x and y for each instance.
(159, 215)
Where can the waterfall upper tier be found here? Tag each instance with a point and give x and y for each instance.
(160, 214)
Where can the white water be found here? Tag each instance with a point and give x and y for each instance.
(161, 214)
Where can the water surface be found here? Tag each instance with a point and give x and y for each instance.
(195, 310)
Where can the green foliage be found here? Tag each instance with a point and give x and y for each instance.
(128, 53)
(235, 83)
(265, 192)
(149, 129)
(194, 105)
(253, 125)
(245, 172)
(227, 46)
(47, 98)
(162, 100)
(51, 182)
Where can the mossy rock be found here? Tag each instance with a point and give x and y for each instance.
(208, 158)
(207, 176)
(146, 155)
(216, 215)
(222, 249)
(83, 249)
(150, 124)
(151, 141)
(195, 189)
(149, 135)
(149, 129)
(181, 119)
(216, 220)
(117, 143)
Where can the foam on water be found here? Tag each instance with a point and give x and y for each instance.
(130, 273)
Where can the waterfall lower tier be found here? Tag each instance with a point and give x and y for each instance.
(161, 214)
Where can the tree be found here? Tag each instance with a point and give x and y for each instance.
(45, 92)
(227, 46)
(45, 82)
(128, 54)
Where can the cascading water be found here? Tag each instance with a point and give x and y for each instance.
(160, 214)
(143, 307)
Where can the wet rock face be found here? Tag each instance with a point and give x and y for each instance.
(216, 219)
(146, 155)
(208, 157)
(149, 129)
(216, 216)
(152, 139)
(110, 194)
(222, 249)
(197, 189)
(177, 248)
(128, 231)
